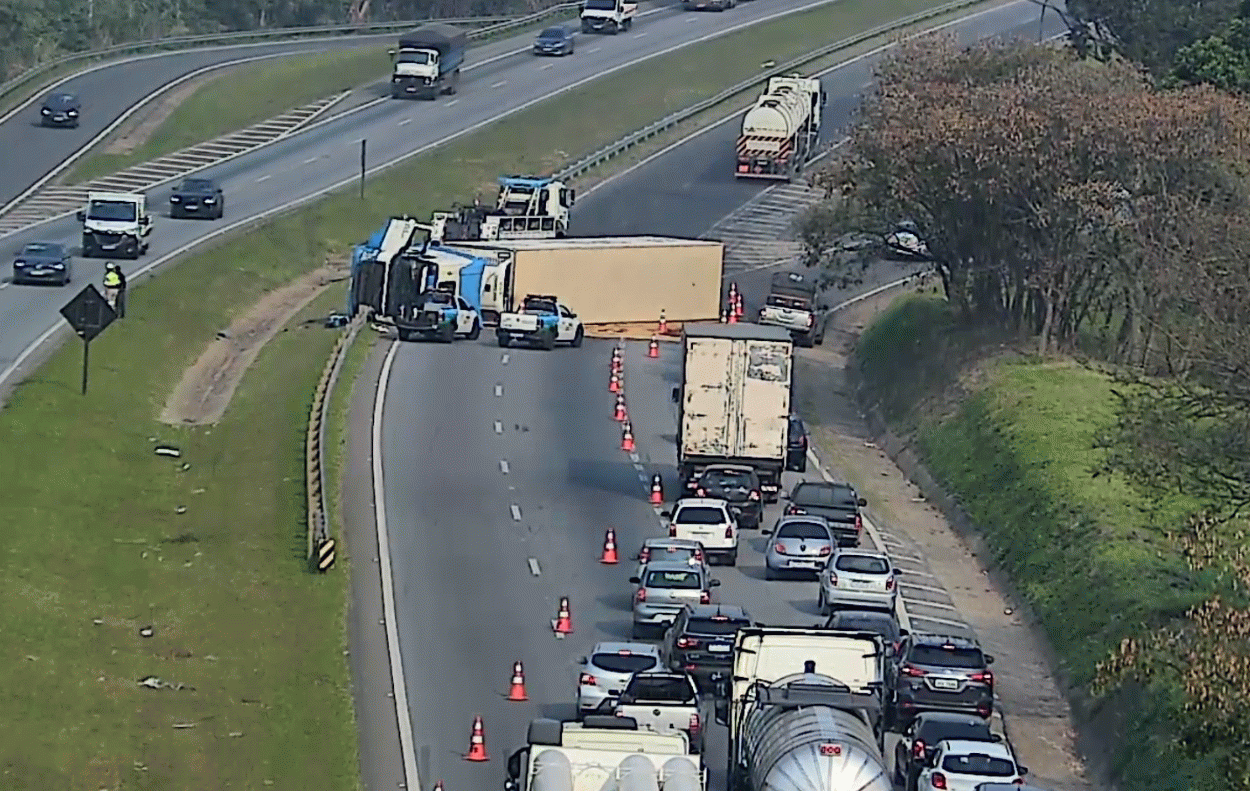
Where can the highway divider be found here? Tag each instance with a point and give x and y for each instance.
(322, 548)
(35, 80)
(609, 152)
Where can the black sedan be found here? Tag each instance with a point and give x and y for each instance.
(42, 262)
(197, 197)
(60, 109)
(554, 41)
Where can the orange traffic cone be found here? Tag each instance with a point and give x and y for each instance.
(438, 786)
(614, 383)
(619, 415)
(477, 742)
(657, 490)
(609, 549)
(653, 349)
(517, 691)
(564, 619)
(627, 438)
(738, 307)
(733, 315)
(663, 323)
(724, 317)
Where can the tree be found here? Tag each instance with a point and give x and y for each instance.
(1150, 32)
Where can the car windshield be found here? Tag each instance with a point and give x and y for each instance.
(808, 530)
(883, 625)
(833, 496)
(716, 625)
(729, 479)
(552, 32)
(60, 100)
(861, 564)
(669, 553)
(789, 302)
(948, 656)
(435, 299)
(538, 307)
(624, 663)
(41, 250)
(111, 210)
(978, 765)
(676, 689)
(699, 515)
(673, 580)
(935, 731)
(601, 5)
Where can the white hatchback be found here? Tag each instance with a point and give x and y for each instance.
(963, 765)
(710, 523)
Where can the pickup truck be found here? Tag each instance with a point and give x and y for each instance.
(437, 314)
(837, 502)
(542, 321)
(662, 702)
(791, 304)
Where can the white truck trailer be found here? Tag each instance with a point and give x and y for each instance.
(611, 279)
(603, 753)
(781, 132)
(804, 711)
(734, 400)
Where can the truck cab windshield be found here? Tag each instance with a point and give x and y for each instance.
(111, 211)
(421, 57)
(793, 303)
(600, 5)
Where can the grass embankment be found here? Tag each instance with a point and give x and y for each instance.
(1012, 437)
(91, 514)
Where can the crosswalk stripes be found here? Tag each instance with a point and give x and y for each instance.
(760, 232)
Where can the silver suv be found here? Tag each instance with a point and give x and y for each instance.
(663, 589)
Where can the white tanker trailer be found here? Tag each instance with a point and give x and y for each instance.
(603, 753)
(780, 133)
(808, 730)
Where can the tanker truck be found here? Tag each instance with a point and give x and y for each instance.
(781, 131)
(804, 711)
(603, 753)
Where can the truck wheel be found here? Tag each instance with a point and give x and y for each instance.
(549, 341)
(504, 341)
(447, 334)
(578, 337)
(476, 332)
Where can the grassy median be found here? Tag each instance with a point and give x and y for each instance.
(98, 544)
(1012, 438)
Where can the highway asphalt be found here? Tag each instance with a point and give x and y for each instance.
(502, 463)
(303, 164)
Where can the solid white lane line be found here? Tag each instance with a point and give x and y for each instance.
(516, 512)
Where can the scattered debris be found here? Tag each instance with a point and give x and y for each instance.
(868, 444)
(186, 465)
(235, 734)
(336, 320)
(223, 334)
(30, 658)
(168, 450)
(130, 541)
(198, 491)
(184, 724)
(152, 682)
(1008, 611)
(182, 509)
(98, 621)
(146, 631)
(210, 657)
(180, 653)
(181, 538)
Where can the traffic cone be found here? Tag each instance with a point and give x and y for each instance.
(619, 415)
(609, 549)
(724, 317)
(657, 490)
(733, 314)
(738, 306)
(627, 438)
(733, 293)
(614, 383)
(663, 323)
(653, 349)
(438, 786)
(517, 691)
(477, 742)
(564, 619)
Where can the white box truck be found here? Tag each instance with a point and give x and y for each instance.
(734, 400)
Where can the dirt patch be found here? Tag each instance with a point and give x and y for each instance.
(208, 385)
(1039, 718)
(140, 127)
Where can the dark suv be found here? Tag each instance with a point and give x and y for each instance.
(920, 739)
(796, 445)
(938, 673)
(837, 502)
(737, 485)
(60, 109)
(700, 642)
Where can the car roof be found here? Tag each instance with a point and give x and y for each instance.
(966, 747)
(728, 468)
(862, 553)
(943, 639)
(788, 518)
(668, 541)
(952, 717)
(554, 29)
(671, 565)
(732, 611)
(61, 96)
(43, 246)
(609, 647)
(824, 485)
(709, 502)
(865, 615)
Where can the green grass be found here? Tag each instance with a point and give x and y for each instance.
(337, 424)
(90, 513)
(1012, 437)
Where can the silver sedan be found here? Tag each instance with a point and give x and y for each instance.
(858, 579)
(800, 543)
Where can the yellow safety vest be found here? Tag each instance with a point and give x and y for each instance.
(112, 280)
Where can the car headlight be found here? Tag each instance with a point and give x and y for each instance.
(210, 200)
(73, 112)
(46, 111)
(19, 264)
(58, 266)
(174, 199)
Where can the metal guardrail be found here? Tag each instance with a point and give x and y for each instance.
(613, 150)
(493, 23)
(321, 545)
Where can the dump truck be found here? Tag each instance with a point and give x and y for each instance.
(791, 304)
(649, 275)
(526, 207)
(781, 132)
(734, 401)
(603, 753)
(804, 711)
(427, 62)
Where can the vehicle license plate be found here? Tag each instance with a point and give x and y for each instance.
(945, 683)
(718, 649)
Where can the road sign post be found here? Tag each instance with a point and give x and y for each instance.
(363, 147)
(89, 314)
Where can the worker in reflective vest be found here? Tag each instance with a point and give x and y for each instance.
(115, 288)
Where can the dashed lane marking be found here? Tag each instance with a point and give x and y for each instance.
(534, 569)
(933, 605)
(498, 427)
(503, 360)
(918, 586)
(516, 512)
(943, 621)
(405, 122)
(263, 178)
(311, 160)
(498, 391)
(503, 466)
(500, 84)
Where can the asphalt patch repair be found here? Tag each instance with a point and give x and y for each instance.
(207, 386)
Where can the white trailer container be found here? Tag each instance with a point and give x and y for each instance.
(781, 132)
(734, 400)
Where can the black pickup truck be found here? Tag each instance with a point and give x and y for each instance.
(838, 503)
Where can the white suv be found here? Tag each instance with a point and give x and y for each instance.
(963, 766)
(710, 523)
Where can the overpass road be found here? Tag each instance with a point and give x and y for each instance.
(502, 471)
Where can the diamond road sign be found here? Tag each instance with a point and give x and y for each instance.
(89, 313)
